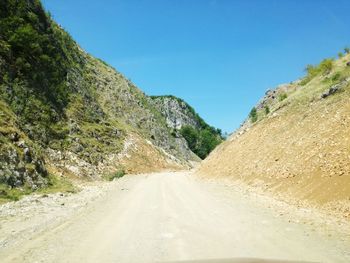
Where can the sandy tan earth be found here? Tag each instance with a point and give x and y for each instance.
(300, 154)
(165, 217)
(300, 150)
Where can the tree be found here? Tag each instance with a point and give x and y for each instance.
(267, 109)
(207, 143)
(202, 141)
(253, 115)
(326, 66)
(347, 50)
(310, 69)
(191, 136)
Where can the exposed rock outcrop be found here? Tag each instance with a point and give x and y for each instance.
(176, 112)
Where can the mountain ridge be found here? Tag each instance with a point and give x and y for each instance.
(66, 113)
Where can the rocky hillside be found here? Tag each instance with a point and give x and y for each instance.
(65, 112)
(184, 122)
(177, 112)
(295, 142)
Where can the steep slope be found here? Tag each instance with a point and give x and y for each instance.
(65, 112)
(183, 120)
(177, 112)
(296, 141)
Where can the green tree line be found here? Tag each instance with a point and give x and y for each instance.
(201, 141)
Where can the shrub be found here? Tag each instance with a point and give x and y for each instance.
(55, 185)
(267, 109)
(118, 174)
(37, 53)
(253, 115)
(340, 55)
(201, 142)
(58, 184)
(311, 70)
(324, 68)
(191, 136)
(12, 194)
(336, 77)
(282, 96)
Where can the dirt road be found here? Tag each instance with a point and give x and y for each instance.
(163, 217)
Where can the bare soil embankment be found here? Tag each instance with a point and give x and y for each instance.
(300, 151)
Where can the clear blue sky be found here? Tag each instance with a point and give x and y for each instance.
(218, 55)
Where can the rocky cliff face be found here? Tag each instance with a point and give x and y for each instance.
(63, 111)
(185, 123)
(177, 112)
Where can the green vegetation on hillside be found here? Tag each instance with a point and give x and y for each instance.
(253, 115)
(282, 96)
(37, 53)
(201, 142)
(201, 139)
(323, 68)
(59, 103)
(35, 58)
(55, 185)
(116, 175)
(267, 110)
(330, 76)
